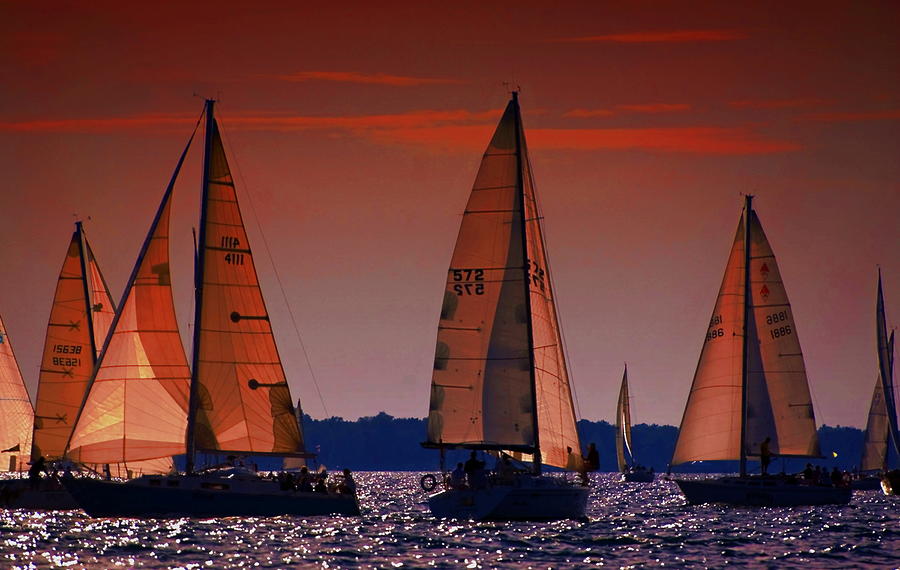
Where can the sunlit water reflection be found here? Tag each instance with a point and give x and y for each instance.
(629, 525)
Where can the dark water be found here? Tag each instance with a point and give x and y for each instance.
(630, 525)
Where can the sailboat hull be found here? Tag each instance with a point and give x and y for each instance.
(760, 492)
(48, 496)
(638, 476)
(533, 498)
(202, 496)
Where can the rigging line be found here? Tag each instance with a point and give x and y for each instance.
(240, 172)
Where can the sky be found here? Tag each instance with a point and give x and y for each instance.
(355, 129)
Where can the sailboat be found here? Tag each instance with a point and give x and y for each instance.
(881, 425)
(16, 412)
(500, 382)
(232, 401)
(631, 471)
(750, 388)
(79, 320)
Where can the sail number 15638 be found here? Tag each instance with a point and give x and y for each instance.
(464, 278)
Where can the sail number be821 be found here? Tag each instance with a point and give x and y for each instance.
(463, 277)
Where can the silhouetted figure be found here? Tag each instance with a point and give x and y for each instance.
(348, 485)
(592, 461)
(474, 469)
(809, 474)
(765, 456)
(458, 477)
(304, 484)
(837, 478)
(34, 472)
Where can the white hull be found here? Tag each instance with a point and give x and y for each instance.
(638, 476)
(529, 498)
(761, 492)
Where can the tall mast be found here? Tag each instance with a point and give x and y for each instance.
(198, 292)
(520, 190)
(82, 250)
(746, 340)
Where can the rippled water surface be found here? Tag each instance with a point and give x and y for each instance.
(629, 525)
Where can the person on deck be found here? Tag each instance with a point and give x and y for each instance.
(765, 456)
(474, 469)
(592, 460)
(458, 477)
(347, 485)
(34, 472)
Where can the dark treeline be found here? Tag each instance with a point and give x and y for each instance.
(386, 443)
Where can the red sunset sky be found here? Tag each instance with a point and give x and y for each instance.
(355, 130)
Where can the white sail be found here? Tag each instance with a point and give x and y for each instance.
(623, 426)
(499, 352)
(135, 412)
(16, 412)
(778, 403)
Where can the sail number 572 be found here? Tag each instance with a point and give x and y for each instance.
(464, 278)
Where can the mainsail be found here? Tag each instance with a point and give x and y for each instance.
(135, 413)
(16, 413)
(623, 426)
(500, 379)
(80, 316)
(748, 388)
(240, 394)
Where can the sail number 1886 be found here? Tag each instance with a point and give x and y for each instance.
(779, 331)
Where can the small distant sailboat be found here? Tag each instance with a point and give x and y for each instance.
(631, 471)
(750, 386)
(16, 412)
(500, 382)
(881, 425)
(79, 320)
(234, 399)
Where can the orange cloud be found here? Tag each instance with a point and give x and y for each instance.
(587, 113)
(457, 130)
(675, 36)
(367, 78)
(851, 116)
(777, 103)
(655, 107)
(632, 108)
(690, 140)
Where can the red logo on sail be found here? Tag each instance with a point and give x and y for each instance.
(764, 270)
(764, 292)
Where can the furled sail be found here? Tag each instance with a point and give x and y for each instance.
(498, 351)
(778, 402)
(70, 348)
(16, 413)
(623, 426)
(243, 401)
(135, 413)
